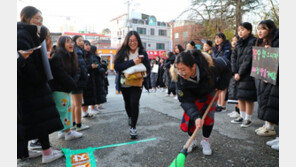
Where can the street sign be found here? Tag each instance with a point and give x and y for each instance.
(265, 64)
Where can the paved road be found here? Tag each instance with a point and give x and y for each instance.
(160, 118)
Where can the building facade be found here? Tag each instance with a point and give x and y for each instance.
(155, 35)
(184, 31)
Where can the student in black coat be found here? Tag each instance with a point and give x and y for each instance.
(232, 89)
(76, 94)
(222, 49)
(39, 113)
(95, 83)
(160, 82)
(154, 73)
(198, 77)
(22, 143)
(167, 65)
(127, 56)
(89, 92)
(267, 93)
(241, 63)
(100, 79)
(105, 66)
(64, 65)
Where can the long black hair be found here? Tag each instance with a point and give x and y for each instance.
(267, 25)
(189, 58)
(93, 50)
(71, 59)
(123, 51)
(181, 49)
(170, 54)
(221, 35)
(27, 13)
(75, 39)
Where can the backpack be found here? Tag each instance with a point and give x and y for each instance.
(223, 73)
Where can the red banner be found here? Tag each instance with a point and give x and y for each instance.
(152, 54)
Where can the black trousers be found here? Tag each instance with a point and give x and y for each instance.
(206, 130)
(131, 97)
(22, 146)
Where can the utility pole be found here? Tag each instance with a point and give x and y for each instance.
(128, 13)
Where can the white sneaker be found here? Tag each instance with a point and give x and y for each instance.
(206, 147)
(166, 90)
(94, 112)
(192, 145)
(73, 128)
(55, 154)
(266, 132)
(233, 114)
(34, 153)
(230, 113)
(87, 115)
(259, 129)
(275, 146)
(272, 142)
(172, 95)
(176, 97)
(73, 135)
(82, 127)
(167, 95)
(61, 135)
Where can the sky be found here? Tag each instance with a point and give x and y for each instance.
(96, 14)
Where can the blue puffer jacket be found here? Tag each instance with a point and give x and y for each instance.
(82, 82)
(224, 51)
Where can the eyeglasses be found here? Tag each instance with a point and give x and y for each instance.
(134, 41)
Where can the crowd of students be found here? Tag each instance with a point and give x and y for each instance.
(243, 90)
(80, 85)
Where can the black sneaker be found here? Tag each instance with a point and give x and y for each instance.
(87, 115)
(246, 123)
(34, 144)
(133, 133)
(223, 109)
(237, 110)
(237, 120)
(218, 109)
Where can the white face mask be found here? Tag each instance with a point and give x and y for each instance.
(38, 28)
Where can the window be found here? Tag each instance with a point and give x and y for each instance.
(152, 31)
(141, 30)
(185, 34)
(160, 46)
(144, 44)
(162, 32)
(141, 22)
(134, 21)
(176, 35)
